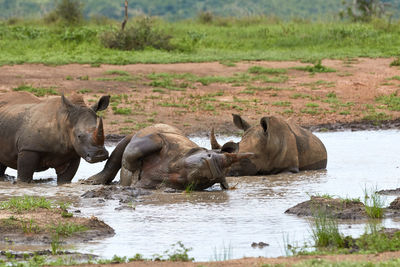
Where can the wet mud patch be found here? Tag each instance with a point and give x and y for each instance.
(124, 194)
(337, 208)
(43, 226)
(389, 192)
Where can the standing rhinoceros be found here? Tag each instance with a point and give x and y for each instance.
(278, 146)
(161, 156)
(55, 133)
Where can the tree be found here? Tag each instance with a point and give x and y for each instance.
(363, 10)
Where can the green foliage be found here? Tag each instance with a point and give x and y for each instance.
(69, 11)
(374, 204)
(261, 70)
(316, 68)
(392, 101)
(178, 252)
(25, 203)
(36, 91)
(141, 35)
(395, 62)
(256, 41)
(68, 228)
(122, 111)
(363, 10)
(325, 231)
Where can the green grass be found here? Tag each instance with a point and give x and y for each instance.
(117, 72)
(374, 204)
(122, 111)
(325, 231)
(282, 104)
(316, 68)
(36, 91)
(28, 42)
(67, 228)
(395, 62)
(392, 101)
(25, 203)
(262, 70)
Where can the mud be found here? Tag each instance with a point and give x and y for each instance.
(337, 208)
(124, 194)
(340, 208)
(389, 191)
(18, 255)
(38, 227)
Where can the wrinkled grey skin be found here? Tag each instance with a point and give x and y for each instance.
(278, 146)
(161, 156)
(36, 134)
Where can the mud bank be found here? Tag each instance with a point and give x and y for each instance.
(44, 226)
(344, 209)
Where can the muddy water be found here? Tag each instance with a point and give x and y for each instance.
(223, 224)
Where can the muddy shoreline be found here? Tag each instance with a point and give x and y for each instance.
(363, 125)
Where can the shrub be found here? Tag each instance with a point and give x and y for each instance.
(69, 12)
(137, 37)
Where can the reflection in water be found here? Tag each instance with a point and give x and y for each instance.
(252, 211)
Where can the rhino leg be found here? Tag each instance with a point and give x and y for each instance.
(28, 162)
(112, 165)
(66, 174)
(138, 149)
(2, 171)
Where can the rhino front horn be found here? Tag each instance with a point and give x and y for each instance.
(213, 140)
(98, 134)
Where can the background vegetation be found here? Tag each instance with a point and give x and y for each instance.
(183, 9)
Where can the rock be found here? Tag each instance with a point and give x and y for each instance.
(337, 208)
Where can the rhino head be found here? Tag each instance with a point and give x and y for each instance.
(256, 139)
(201, 168)
(86, 131)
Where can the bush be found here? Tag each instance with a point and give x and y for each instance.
(67, 11)
(137, 37)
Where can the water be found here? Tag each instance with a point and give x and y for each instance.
(219, 224)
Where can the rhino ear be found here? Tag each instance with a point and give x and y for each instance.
(264, 124)
(102, 104)
(230, 147)
(240, 123)
(66, 103)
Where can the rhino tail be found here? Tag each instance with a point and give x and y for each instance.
(213, 140)
(112, 166)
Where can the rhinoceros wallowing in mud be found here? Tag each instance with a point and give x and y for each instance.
(278, 146)
(161, 156)
(55, 133)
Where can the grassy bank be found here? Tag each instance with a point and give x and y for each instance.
(226, 40)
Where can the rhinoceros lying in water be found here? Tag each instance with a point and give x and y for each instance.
(161, 156)
(278, 146)
(55, 133)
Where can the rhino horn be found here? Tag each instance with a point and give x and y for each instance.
(231, 158)
(98, 135)
(213, 140)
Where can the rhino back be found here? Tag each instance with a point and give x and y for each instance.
(156, 168)
(28, 123)
(311, 151)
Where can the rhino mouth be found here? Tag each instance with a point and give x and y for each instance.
(214, 166)
(97, 157)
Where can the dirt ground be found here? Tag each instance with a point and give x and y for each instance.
(195, 107)
(280, 261)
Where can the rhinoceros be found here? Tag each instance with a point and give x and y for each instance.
(161, 156)
(56, 132)
(278, 146)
